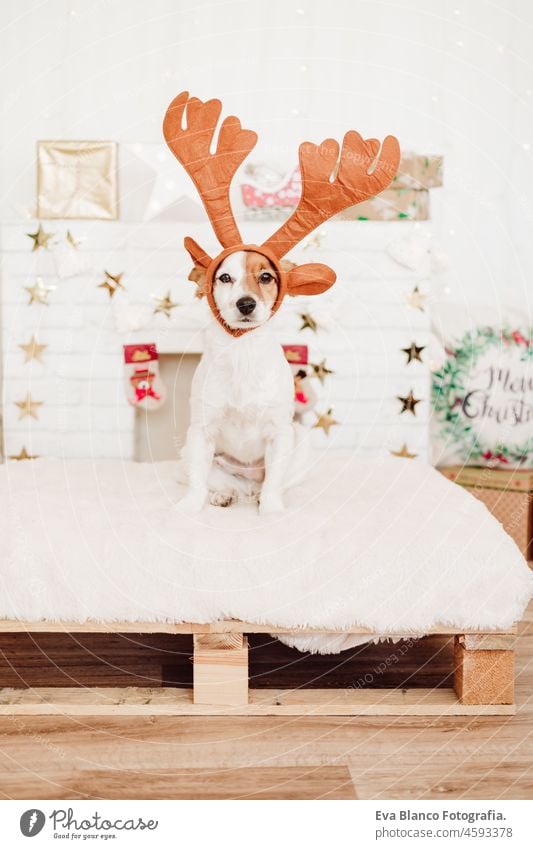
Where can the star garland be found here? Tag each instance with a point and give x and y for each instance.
(315, 241)
(409, 403)
(164, 304)
(416, 299)
(33, 350)
(320, 370)
(40, 239)
(308, 322)
(73, 242)
(403, 452)
(28, 407)
(23, 455)
(112, 283)
(413, 352)
(39, 292)
(325, 421)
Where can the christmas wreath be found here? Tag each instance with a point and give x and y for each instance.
(451, 395)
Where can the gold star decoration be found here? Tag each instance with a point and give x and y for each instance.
(320, 370)
(325, 421)
(28, 407)
(40, 239)
(416, 299)
(23, 455)
(409, 403)
(33, 350)
(39, 292)
(112, 283)
(413, 352)
(308, 321)
(165, 304)
(73, 242)
(404, 452)
(314, 241)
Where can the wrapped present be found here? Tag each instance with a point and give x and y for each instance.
(418, 172)
(507, 493)
(391, 205)
(407, 198)
(77, 179)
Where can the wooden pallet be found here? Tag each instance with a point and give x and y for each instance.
(483, 680)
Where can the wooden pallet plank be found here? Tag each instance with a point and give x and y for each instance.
(166, 701)
(220, 674)
(483, 676)
(488, 641)
(229, 640)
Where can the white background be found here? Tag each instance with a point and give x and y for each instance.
(446, 77)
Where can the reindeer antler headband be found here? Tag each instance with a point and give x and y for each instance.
(329, 185)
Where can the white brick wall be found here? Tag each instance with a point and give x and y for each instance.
(365, 322)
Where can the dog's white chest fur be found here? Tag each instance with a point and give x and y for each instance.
(242, 391)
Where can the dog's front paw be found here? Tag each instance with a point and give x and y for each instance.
(223, 499)
(192, 503)
(270, 504)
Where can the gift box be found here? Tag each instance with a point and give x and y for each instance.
(406, 199)
(77, 179)
(418, 172)
(508, 494)
(391, 205)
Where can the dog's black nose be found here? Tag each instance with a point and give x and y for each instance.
(246, 305)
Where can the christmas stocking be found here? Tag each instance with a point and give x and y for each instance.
(144, 387)
(305, 396)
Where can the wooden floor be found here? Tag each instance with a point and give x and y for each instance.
(257, 757)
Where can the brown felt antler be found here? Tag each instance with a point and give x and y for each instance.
(328, 189)
(211, 172)
(329, 185)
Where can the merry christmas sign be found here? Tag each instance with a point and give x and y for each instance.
(483, 399)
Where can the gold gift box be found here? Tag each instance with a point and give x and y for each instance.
(77, 179)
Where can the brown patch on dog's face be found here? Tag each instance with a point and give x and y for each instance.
(261, 278)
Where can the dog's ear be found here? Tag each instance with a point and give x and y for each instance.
(201, 262)
(310, 279)
(198, 276)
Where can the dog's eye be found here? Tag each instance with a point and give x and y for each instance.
(266, 277)
(225, 278)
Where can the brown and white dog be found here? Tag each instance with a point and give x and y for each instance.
(242, 392)
(242, 441)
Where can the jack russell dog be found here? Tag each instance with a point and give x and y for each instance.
(242, 439)
(242, 443)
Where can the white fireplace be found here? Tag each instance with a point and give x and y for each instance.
(159, 434)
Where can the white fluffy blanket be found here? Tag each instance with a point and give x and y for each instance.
(390, 545)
